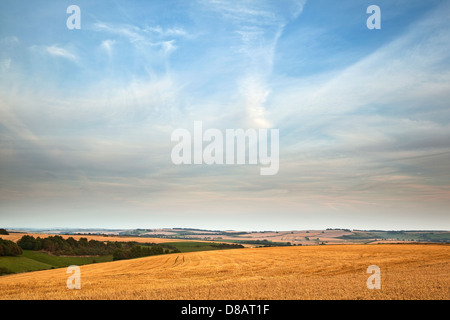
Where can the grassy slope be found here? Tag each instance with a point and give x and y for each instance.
(22, 264)
(35, 260)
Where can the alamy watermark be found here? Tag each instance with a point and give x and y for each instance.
(374, 21)
(74, 280)
(236, 147)
(374, 281)
(74, 20)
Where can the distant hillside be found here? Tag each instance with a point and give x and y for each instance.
(263, 238)
(420, 236)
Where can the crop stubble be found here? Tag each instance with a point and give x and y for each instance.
(313, 272)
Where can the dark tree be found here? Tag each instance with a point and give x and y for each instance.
(57, 245)
(27, 242)
(121, 254)
(9, 248)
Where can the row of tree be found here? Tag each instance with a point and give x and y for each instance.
(137, 251)
(266, 243)
(57, 245)
(9, 248)
(222, 245)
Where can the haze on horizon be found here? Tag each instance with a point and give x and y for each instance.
(86, 115)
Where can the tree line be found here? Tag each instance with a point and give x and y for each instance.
(137, 251)
(57, 245)
(266, 243)
(222, 245)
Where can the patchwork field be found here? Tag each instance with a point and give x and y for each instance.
(412, 271)
(298, 237)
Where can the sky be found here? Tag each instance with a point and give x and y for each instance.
(86, 115)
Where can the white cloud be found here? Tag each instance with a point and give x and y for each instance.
(410, 72)
(142, 39)
(132, 33)
(255, 27)
(107, 45)
(110, 139)
(255, 94)
(168, 47)
(169, 32)
(61, 52)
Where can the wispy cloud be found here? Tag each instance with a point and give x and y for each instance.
(107, 45)
(56, 51)
(169, 32)
(143, 39)
(130, 32)
(354, 130)
(364, 136)
(257, 26)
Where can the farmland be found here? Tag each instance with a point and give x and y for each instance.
(408, 271)
(56, 252)
(250, 238)
(293, 237)
(33, 261)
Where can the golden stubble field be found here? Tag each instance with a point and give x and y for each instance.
(313, 272)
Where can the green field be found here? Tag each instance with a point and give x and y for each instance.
(36, 260)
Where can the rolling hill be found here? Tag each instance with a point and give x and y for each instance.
(408, 271)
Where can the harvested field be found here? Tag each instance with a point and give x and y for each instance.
(408, 271)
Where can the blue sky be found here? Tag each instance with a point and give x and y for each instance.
(86, 115)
